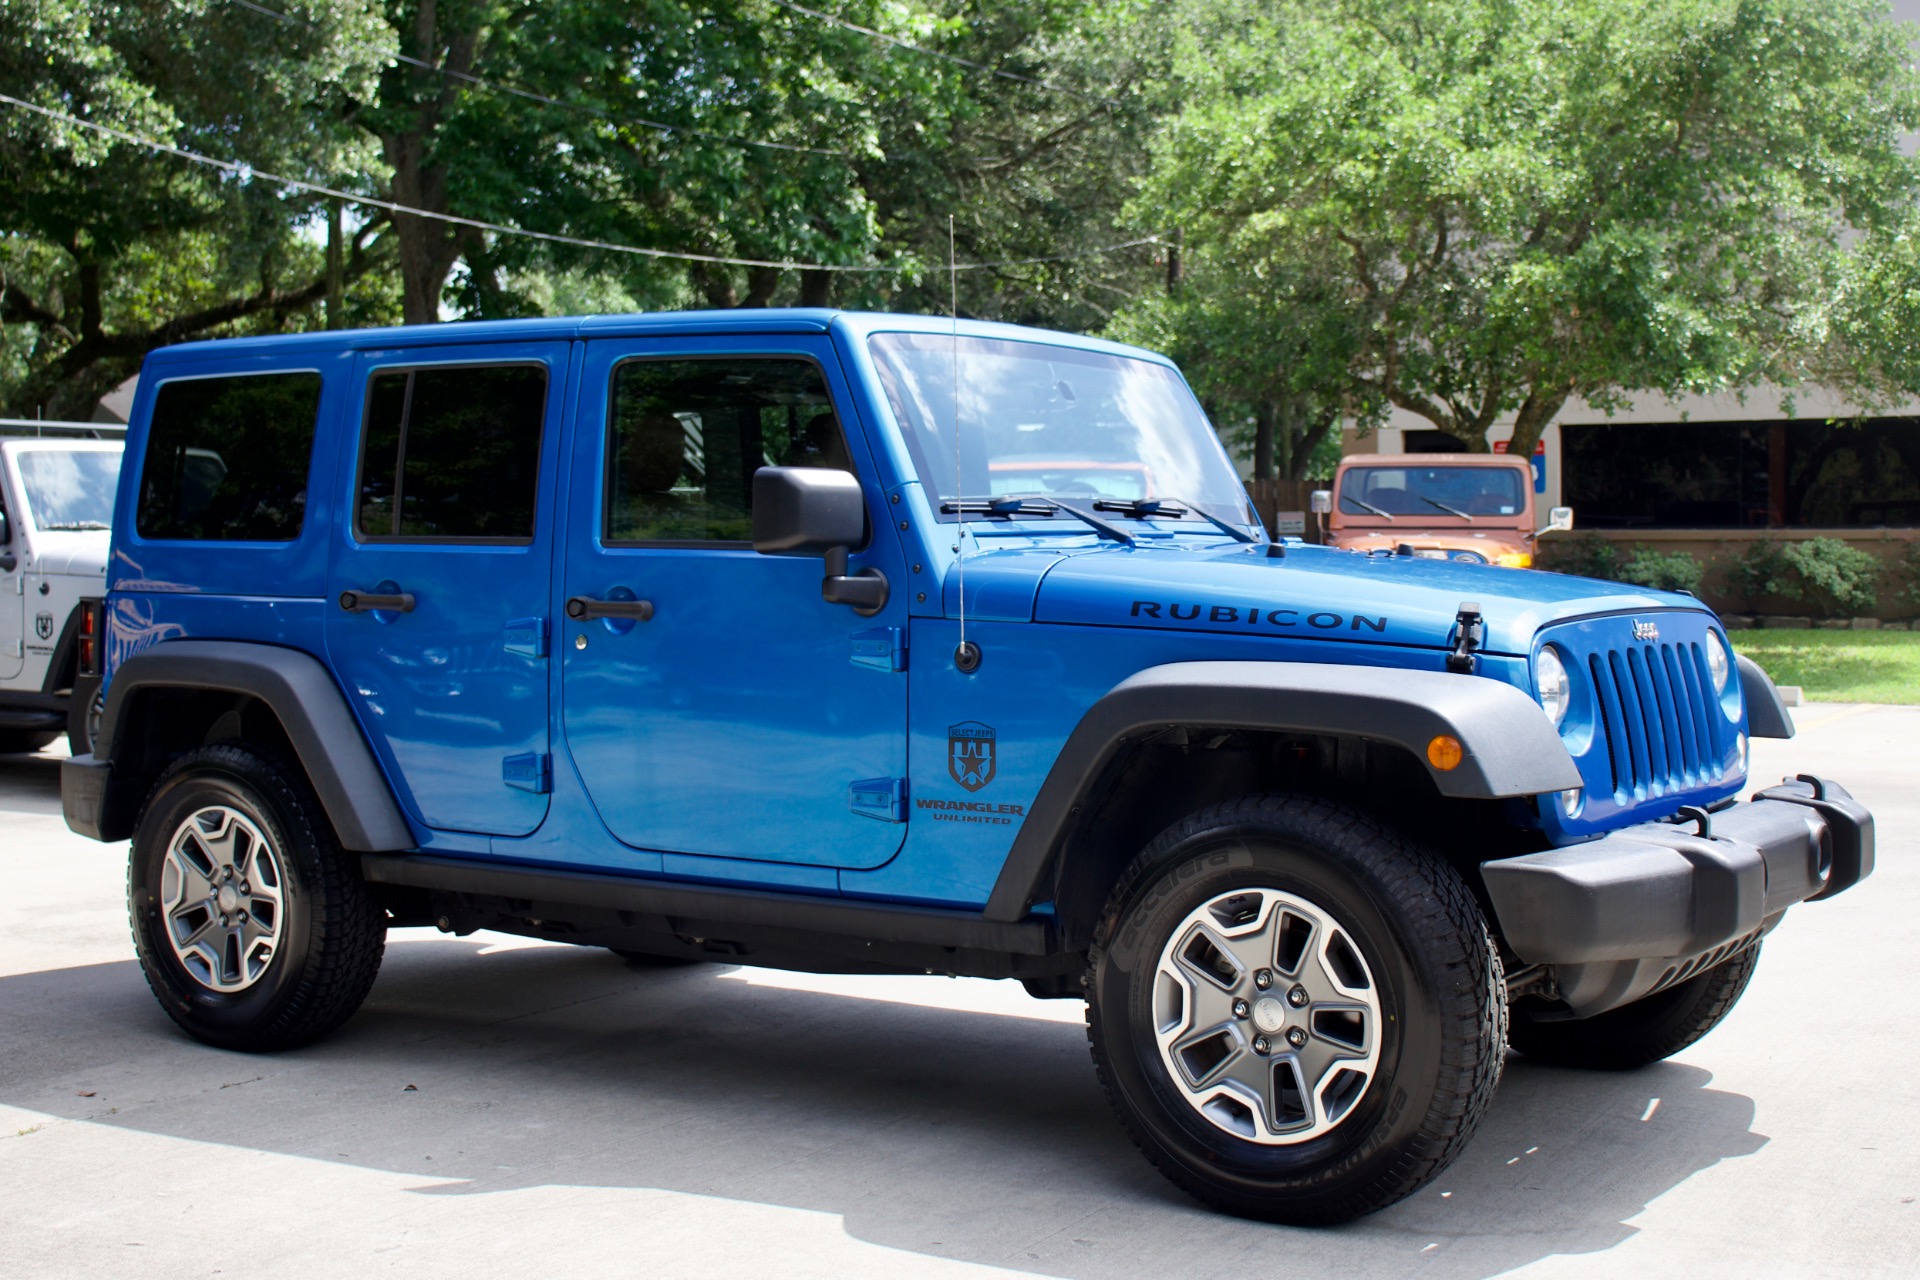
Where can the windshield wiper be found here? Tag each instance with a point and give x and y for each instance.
(1452, 511)
(1358, 502)
(1146, 508)
(75, 526)
(1015, 505)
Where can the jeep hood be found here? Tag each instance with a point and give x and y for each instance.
(82, 555)
(1311, 593)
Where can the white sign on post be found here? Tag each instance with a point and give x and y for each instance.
(1290, 522)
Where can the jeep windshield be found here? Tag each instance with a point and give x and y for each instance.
(70, 489)
(1489, 494)
(1071, 426)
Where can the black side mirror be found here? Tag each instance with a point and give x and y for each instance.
(815, 511)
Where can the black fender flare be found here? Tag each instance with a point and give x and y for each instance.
(1766, 710)
(1510, 747)
(297, 688)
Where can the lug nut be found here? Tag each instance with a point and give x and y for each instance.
(223, 922)
(1296, 1036)
(1240, 1008)
(1263, 978)
(1297, 997)
(245, 887)
(243, 917)
(1262, 1046)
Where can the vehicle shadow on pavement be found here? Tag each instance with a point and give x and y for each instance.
(963, 1135)
(30, 784)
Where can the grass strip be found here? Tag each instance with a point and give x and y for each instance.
(1839, 666)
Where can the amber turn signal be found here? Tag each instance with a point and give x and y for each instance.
(1445, 752)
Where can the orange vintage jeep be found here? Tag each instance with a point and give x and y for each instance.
(1472, 507)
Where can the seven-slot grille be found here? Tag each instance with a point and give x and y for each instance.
(1657, 715)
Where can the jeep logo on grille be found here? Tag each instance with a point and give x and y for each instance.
(1645, 631)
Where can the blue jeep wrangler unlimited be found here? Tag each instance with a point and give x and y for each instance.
(862, 643)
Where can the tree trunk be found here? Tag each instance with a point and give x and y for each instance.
(1310, 439)
(428, 247)
(336, 274)
(816, 288)
(1263, 416)
(1536, 411)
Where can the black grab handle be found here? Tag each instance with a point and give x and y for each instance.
(585, 608)
(374, 602)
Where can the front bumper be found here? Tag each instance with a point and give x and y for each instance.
(1664, 892)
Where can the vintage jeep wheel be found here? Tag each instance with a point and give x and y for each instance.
(1297, 1013)
(1644, 1032)
(254, 929)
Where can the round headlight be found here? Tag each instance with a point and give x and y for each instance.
(1550, 677)
(1718, 663)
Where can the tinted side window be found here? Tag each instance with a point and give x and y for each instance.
(452, 453)
(685, 437)
(227, 458)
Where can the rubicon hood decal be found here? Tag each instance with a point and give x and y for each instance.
(1325, 594)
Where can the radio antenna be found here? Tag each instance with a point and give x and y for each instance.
(966, 655)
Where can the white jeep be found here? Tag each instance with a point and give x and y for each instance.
(57, 482)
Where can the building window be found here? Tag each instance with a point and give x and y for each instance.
(1743, 475)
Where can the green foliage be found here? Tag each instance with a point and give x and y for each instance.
(1662, 570)
(1592, 556)
(1522, 201)
(1825, 572)
(1910, 567)
(1587, 556)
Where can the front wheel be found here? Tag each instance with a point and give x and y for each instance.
(253, 927)
(1644, 1032)
(1298, 1014)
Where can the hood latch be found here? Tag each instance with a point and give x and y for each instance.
(1469, 633)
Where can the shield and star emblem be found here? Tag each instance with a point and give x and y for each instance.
(43, 626)
(970, 755)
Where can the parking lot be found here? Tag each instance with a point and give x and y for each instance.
(501, 1107)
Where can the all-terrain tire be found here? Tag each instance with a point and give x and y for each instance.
(1644, 1032)
(1427, 955)
(327, 933)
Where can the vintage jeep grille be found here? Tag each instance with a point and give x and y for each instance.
(1656, 705)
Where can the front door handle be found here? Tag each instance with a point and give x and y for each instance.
(375, 602)
(586, 608)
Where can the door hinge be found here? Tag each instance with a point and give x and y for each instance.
(883, 649)
(882, 798)
(527, 637)
(531, 772)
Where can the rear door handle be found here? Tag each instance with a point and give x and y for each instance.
(586, 608)
(374, 602)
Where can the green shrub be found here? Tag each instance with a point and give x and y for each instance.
(1587, 556)
(1910, 565)
(1827, 573)
(1663, 570)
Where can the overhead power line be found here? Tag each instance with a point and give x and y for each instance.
(502, 86)
(944, 57)
(247, 172)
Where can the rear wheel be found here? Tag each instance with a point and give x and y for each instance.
(1644, 1032)
(253, 927)
(1297, 1013)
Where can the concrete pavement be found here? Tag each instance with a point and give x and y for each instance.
(506, 1108)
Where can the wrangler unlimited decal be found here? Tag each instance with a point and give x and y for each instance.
(1254, 616)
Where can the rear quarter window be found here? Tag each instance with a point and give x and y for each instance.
(227, 458)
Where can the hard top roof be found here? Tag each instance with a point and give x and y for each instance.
(788, 320)
(1434, 459)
